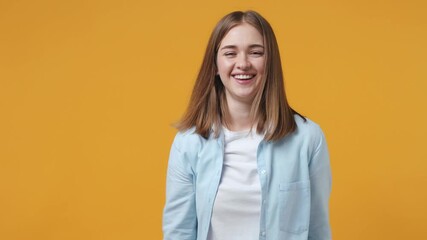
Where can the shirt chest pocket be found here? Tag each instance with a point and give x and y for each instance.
(294, 206)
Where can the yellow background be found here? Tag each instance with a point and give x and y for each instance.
(88, 90)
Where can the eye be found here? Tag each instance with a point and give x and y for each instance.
(257, 53)
(229, 54)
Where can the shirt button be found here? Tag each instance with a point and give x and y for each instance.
(263, 171)
(263, 233)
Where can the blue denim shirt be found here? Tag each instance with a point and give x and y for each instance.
(295, 182)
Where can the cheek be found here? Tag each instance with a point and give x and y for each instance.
(261, 66)
(223, 67)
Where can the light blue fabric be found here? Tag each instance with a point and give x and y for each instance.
(295, 182)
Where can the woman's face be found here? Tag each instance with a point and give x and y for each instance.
(240, 62)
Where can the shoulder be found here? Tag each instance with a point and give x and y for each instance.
(308, 133)
(188, 140)
(307, 127)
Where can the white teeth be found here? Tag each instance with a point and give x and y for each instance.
(243, 77)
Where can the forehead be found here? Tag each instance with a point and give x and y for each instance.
(242, 34)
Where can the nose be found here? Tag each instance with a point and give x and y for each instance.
(243, 62)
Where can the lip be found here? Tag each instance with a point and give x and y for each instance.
(244, 81)
(242, 73)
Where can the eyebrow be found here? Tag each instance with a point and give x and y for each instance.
(234, 46)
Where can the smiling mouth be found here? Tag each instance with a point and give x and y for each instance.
(243, 77)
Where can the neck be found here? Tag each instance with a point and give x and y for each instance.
(239, 116)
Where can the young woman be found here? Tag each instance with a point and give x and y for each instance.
(244, 164)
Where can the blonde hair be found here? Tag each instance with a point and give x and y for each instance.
(208, 110)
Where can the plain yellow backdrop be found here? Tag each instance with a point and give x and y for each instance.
(89, 90)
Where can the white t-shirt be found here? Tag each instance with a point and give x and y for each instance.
(236, 211)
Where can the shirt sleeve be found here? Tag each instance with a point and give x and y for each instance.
(179, 215)
(320, 184)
